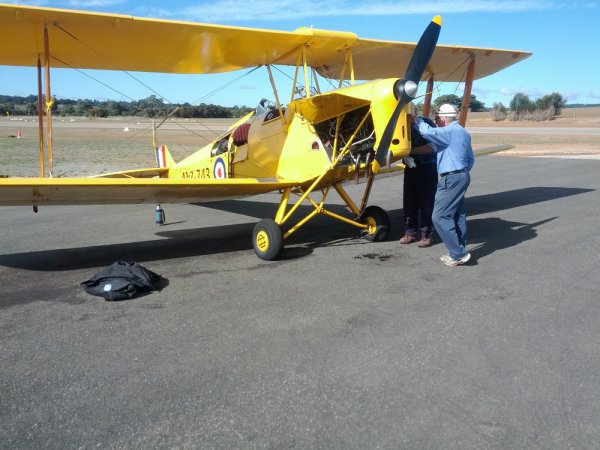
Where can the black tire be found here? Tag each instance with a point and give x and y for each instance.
(378, 221)
(267, 240)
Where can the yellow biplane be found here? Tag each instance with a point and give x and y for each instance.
(303, 148)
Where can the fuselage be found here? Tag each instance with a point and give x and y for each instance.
(334, 131)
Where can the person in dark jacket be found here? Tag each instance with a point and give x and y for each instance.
(420, 182)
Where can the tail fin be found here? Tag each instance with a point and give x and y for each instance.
(163, 157)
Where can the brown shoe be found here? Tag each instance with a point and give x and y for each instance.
(425, 242)
(407, 239)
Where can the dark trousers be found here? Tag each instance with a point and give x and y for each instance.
(420, 184)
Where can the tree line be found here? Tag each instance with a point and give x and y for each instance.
(521, 107)
(149, 107)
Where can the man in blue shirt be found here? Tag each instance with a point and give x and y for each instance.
(454, 162)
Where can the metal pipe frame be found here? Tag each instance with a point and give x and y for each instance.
(282, 217)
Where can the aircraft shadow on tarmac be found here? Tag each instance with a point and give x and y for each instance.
(319, 232)
(192, 242)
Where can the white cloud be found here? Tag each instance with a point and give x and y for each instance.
(528, 91)
(231, 10)
(82, 4)
(581, 97)
(27, 2)
(74, 4)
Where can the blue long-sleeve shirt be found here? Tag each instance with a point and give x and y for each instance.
(452, 145)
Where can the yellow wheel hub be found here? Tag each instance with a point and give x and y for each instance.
(371, 225)
(262, 241)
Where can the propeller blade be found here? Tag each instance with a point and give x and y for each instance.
(423, 51)
(406, 88)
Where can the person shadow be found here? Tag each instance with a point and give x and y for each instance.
(489, 234)
(492, 234)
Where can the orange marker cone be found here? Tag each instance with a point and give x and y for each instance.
(19, 135)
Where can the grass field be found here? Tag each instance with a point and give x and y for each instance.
(540, 144)
(83, 147)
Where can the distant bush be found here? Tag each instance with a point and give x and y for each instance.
(551, 100)
(97, 112)
(544, 108)
(498, 112)
(537, 115)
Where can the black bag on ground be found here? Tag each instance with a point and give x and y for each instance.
(122, 280)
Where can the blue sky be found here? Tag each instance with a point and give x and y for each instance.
(562, 35)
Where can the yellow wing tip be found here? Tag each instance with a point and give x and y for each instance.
(437, 20)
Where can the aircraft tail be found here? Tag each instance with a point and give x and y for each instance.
(163, 157)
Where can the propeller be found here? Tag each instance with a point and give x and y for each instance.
(406, 88)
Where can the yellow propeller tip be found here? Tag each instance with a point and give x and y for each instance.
(438, 20)
(375, 167)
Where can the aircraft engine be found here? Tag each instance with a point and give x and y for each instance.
(361, 147)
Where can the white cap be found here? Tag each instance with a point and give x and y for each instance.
(447, 110)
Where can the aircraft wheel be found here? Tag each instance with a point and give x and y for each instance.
(378, 223)
(267, 240)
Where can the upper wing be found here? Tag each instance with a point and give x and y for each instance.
(81, 39)
(104, 191)
(387, 59)
(118, 42)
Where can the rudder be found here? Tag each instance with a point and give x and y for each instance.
(163, 157)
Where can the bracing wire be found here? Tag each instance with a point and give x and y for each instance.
(169, 116)
(464, 65)
(92, 78)
(225, 86)
(71, 35)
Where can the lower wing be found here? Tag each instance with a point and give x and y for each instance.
(106, 191)
(491, 149)
(134, 187)
(398, 167)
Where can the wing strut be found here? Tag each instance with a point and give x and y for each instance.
(464, 109)
(428, 95)
(275, 94)
(49, 102)
(348, 62)
(40, 120)
(305, 71)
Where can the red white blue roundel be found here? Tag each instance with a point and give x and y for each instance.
(219, 170)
